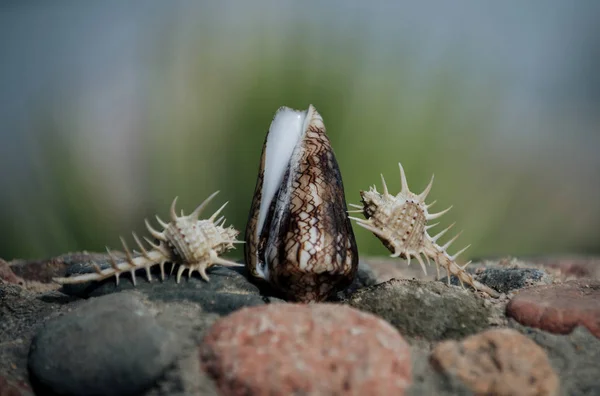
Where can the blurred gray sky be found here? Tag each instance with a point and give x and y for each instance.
(93, 67)
(92, 58)
(547, 51)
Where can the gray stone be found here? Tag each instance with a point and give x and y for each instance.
(428, 381)
(185, 376)
(227, 290)
(107, 346)
(575, 357)
(504, 280)
(364, 277)
(22, 313)
(425, 310)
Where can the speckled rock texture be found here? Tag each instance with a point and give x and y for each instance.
(45, 270)
(7, 275)
(306, 349)
(14, 388)
(499, 362)
(504, 280)
(109, 345)
(425, 310)
(559, 308)
(575, 357)
(22, 313)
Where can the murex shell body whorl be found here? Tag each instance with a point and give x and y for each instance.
(299, 237)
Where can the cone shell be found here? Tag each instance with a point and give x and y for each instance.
(299, 237)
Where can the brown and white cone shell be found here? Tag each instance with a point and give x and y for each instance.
(299, 237)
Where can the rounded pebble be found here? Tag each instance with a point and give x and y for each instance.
(286, 349)
(559, 308)
(424, 310)
(110, 345)
(499, 362)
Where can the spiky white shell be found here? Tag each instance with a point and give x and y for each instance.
(185, 241)
(401, 222)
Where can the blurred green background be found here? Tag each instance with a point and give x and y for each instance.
(110, 109)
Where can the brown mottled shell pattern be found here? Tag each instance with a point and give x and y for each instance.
(305, 247)
(251, 248)
(316, 213)
(309, 246)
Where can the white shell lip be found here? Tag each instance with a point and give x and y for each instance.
(286, 131)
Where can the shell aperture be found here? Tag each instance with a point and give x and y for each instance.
(299, 237)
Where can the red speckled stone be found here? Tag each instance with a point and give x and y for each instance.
(284, 349)
(559, 308)
(498, 362)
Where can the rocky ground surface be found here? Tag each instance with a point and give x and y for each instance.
(394, 331)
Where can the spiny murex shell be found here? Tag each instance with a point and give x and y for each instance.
(299, 237)
(400, 222)
(185, 241)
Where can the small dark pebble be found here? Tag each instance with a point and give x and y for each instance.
(504, 280)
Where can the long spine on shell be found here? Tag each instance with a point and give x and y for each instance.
(452, 268)
(171, 247)
(158, 255)
(387, 216)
